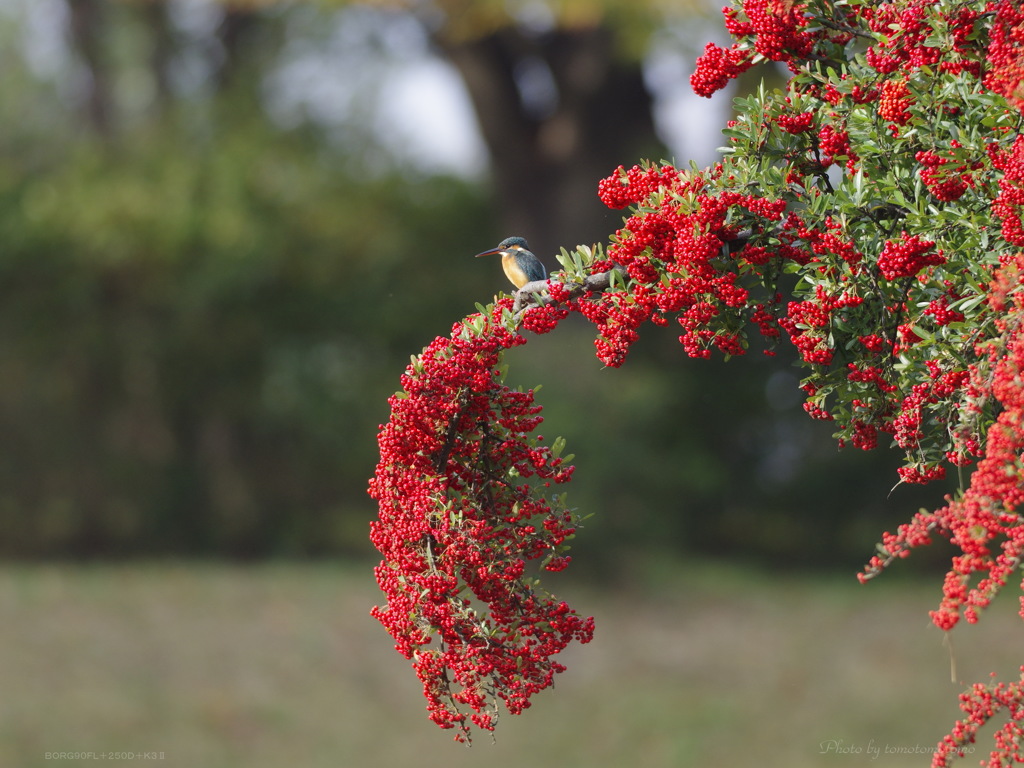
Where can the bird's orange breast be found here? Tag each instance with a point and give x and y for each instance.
(513, 272)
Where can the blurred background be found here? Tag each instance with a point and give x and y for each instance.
(224, 227)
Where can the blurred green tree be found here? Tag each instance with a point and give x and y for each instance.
(186, 364)
(185, 360)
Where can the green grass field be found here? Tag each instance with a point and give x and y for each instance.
(280, 665)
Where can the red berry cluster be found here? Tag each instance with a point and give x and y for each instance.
(895, 101)
(835, 143)
(461, 487)
(907, 256)
(717, 66)
(543, 319)
(776, 30)
(946, 180)
(1009, 204)
(784, 30)
(684, 256)
(685, 259)
(906, 29)
(625, 188)
(796, 123)
(980, 704)
(1005, 75)
(907, 40)
(808, 323)
(940, 310)
(617, 317)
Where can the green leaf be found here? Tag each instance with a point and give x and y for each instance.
(558, 446)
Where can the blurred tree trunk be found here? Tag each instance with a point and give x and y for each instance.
(246, 39)
(549, 149)
(238, 35)
(161, 53)
(88, 32)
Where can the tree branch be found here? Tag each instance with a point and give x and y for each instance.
(535, 293)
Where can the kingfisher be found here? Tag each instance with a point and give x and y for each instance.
(519, 263)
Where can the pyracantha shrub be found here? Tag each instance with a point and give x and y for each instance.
(467, 497)
(870, 214)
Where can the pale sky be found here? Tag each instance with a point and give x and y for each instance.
(443, 134)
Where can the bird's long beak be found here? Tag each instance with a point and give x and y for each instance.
(491, 252)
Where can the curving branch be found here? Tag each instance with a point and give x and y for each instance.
(536, 293)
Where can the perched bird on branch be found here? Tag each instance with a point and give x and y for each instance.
(519, 263)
